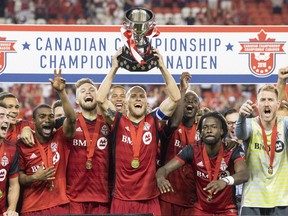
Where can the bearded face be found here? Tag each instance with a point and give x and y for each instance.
(86, 97)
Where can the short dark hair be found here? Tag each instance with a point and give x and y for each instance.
(2, 104)
(4, 95)
(57, 103)
(216, 115)
(230, 111)
(39, 107)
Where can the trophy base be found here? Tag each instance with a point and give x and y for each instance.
(127, 62)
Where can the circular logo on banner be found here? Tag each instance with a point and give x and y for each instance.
(102, 143)
(147, 138)
(3, 173)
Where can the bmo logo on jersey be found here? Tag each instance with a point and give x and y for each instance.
(3, 174)
(102, 143)
(147, 138)
(126, 139)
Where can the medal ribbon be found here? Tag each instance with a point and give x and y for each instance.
(273, 142)
(90, 144)
(46, 158)
(136, 138)
(217, 166)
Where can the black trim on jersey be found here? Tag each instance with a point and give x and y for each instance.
(112, 176)
(187, 154)
(59, 122)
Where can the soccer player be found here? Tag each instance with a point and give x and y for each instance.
(58, 109)
(9, 167)
(88, 164)
(43, 166)
(180, 132)
(117, 96)
(266, 192)
(135, 139)
(13, 108)
(216, 170)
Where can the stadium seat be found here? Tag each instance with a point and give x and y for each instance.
(30, 21)
(185, 11)
(41, 21)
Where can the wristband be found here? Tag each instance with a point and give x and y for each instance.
(160, 115)
(229, 180)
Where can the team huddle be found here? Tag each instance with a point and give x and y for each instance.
(117, 156)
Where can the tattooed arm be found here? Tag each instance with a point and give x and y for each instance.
(106, 107)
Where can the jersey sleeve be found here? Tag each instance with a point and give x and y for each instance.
(22, 165)
(186, 155)
(238, 154)
(14, 169)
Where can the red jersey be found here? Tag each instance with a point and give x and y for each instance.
(223, 200)
(183, 179)
(14, 133)
(135, 183)
(8, 169)
(89, 185)
(38, 195)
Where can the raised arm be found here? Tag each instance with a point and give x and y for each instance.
(281, 83)
(281, 87)
(69, 124)
(177, 116)
(106, 107)
(242, 131)
(168, 106)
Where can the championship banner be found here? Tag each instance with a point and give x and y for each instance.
(212, 54)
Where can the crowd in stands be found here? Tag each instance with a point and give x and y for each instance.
(111, 12)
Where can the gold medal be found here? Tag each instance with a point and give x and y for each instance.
(270, 170)
(209, 197)
(1, 194)
(88, 164)
(51, 187)
(135, 163)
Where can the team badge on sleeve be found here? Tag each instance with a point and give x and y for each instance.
(104, 130)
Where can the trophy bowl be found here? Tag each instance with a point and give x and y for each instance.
(137, 31)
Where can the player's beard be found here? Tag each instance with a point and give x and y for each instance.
(88, 107)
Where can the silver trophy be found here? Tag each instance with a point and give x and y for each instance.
(137, 32)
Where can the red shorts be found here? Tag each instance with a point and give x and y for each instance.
(89, 208)
(228, 212)
(171, 209)
(151, 206)
(56, 210)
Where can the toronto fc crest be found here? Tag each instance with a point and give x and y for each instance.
(6, 46)
(262, 53)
